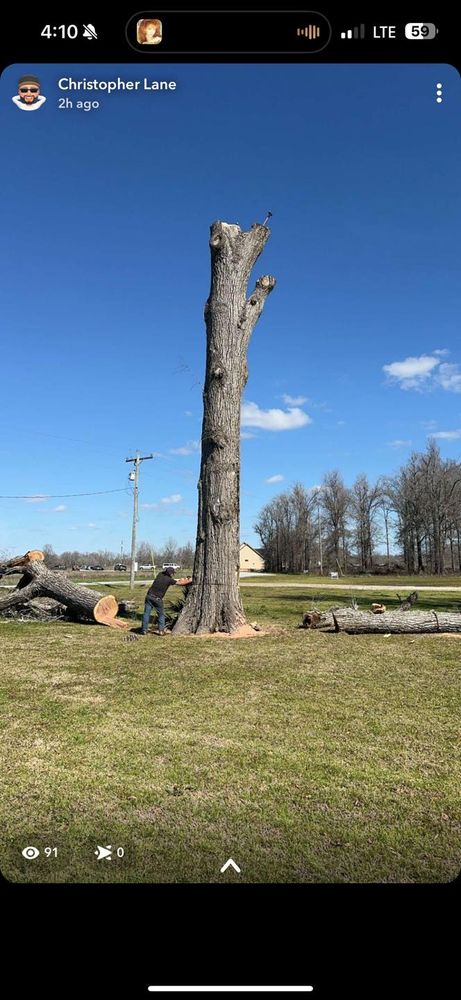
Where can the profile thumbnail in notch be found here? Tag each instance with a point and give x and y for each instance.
(28, 97)
(149, 31)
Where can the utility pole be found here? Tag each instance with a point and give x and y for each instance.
(135, 475)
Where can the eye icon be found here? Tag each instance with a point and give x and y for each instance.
(30, 853)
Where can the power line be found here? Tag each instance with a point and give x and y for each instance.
(60, 496)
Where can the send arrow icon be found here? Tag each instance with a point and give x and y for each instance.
(227, 865)
(103, 852)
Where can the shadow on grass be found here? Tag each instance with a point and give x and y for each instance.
(425, 602)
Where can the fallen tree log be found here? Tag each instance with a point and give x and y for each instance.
(399, 621)
(394, 622)
(37, 580)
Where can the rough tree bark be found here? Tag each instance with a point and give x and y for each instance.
(213, 602)
(38, 581)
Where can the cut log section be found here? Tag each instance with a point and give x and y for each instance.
(37, 580)
(311, 619)
(394, 622)
(379, 621)
(105, 612)
(34, 555)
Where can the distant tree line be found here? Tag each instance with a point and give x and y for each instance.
(146, 555)
(333, 527)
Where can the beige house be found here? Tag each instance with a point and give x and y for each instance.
(250, 559)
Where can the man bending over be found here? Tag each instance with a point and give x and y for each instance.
(155, 595)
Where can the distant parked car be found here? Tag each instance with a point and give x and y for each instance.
(97, 568)
(76, 567)
(174, 565)
(120, 567)
(58, 566)
(146, 567)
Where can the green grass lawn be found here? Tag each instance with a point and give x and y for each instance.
(307, 757)
(449, 580)
(362, 579)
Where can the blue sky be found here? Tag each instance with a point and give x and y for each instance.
(105, 264)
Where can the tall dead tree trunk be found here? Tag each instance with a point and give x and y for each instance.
(213, 603)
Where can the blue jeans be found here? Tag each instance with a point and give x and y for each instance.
(149, 604)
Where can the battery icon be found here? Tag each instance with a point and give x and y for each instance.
(419, 31)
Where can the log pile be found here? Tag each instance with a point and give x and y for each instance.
(396, 622)
(42, 594)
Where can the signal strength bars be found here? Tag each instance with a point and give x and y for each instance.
(311, 31)
(357, 32)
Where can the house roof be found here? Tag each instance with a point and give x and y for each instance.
(257, 551)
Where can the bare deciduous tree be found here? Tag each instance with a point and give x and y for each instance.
(287, 532)
(335, 504)
(364, 501)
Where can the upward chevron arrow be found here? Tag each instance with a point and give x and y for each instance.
(234, 866)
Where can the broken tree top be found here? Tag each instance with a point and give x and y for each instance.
(38, 581)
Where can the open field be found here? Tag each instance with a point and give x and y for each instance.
(307, 757)
(448, 581)
(365, 579)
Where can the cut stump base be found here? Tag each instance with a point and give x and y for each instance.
(105, 612)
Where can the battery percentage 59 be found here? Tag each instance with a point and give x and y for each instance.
(419, 31)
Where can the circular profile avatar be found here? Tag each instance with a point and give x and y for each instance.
(149, 31)
(28, 97)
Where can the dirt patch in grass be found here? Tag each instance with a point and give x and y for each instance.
(244, 632)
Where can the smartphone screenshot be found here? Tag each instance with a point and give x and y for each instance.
(230, 546)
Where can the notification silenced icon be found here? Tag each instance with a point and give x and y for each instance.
(90, 31)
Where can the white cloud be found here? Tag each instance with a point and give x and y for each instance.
(429, 425)
(449, 377)
(340, 423)
(425, 372)
(274, 479)
(174, 498)
(59, 508)
(293, 400)
(447, 435)
(188, 413)
(273, 420)
(39, 498)
(186, 449)
(399, 443)
(91, 524)
(412, 373)
(246, 435)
